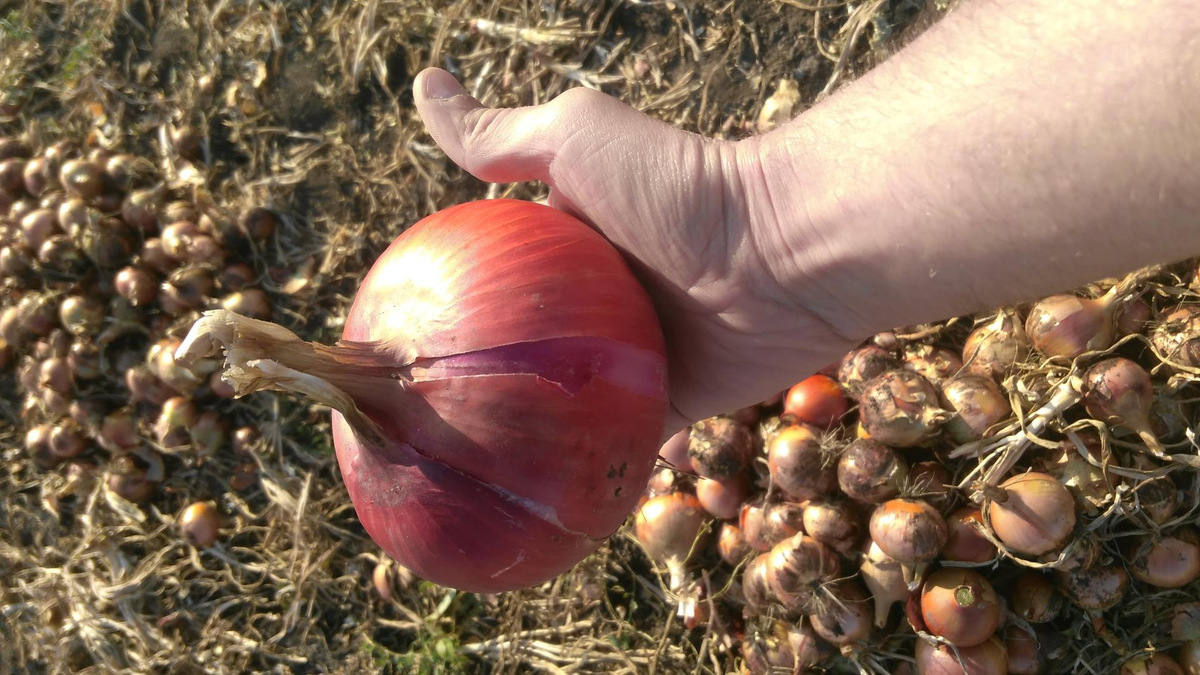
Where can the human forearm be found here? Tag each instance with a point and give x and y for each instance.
(1015, 150)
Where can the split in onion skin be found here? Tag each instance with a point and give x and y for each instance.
(988, 658)
(885, 578)
(1095, 588)
(935, 364)
(818, 401)
(871, 472)
(835, 523)
(796, 567)
(798, 463)
(959, 605)
(1034, 599)
(1024, 655)
(1067, 325)
(900, 409)
(1157, 663)
(1177, 336)
(863, 365)
(723, 499)
(1171, 561)
(845, 618)
(720, 448)
(965, 543)
(668, 527)
(731, 545)
(1118, 391)
(1032, 513)
(200, 524)
(782, 520)
(909, 530)
(977, 404)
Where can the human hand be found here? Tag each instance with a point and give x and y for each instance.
(692, 217)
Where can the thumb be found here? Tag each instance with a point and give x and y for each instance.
(504, 145)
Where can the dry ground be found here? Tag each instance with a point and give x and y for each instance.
(307, 108)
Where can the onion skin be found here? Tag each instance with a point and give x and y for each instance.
(720, 448)
(731, 544)
(989, 658)
(674, 453)
(797, 463)
(1034, 599)
(846, 619)
(1067, 326)
(1157, 663)
(796, 566)
(756, 590)
(1171, 562)
(1158, 499)
(900, 409)
(1177, 336)
(1037, 515)
(723, 499)
(752, 521)
(935, 364)
(770, 652)
(863, 365)
(835, 523)
(965, 543)
(1133, 318)
(668, 527)
(977, 404)
(818, 400)
(960, 605)
(1095, 588)
(1118, 391)
(870, 471)
(782, 520)
(909, 531)
(1024, 656)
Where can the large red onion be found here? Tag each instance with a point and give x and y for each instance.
(500, 391)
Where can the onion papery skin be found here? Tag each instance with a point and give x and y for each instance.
(507, 384)
(989, 658)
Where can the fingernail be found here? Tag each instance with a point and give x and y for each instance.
(440, 85)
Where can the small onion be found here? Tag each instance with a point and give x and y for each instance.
(796, 567)
(935, 364)
(13, 148)
(38, 226)
(782, 520)
(1034, 599)
(900, 409)
(675, 453)
(187, 287)
(863, 365)
(154, 256)
(251, 302)
(109, 242)
(1118, 391)
(1185, 625)
(1157, 663)
(994, 348)
(1177, 336)
(61, 254)
(83, 178)
(1024, 653)
(143, 385)
(187, 142)
(668, 526)
(258, 223)
(12, 175)
(870, 471)
(38, 176)
(960, 605)
(1067, 326)
(175, 421)
(885, 578)
(720, 448)
(798, 465)
(731, 544)
(846, 618)
(74, 215)
(1157, 499)
(769, 652)
(756, 590)
(84, 360)
(118, 431)
(80, 314)
(37, 445)
(245, 475)
(218, 386)
(988, 658)
(1094, 588)
(1133, 318)
(818, 400)
(126, 171)
(55, 374)
(141, 210)
(200, 524)
(835, 523)
(245, 440)
(176, 236)
(977, 404)
(965, 543)
(1189, 657)
(136, 285)
(135, 477)
(908, 530)
(180, 210)
(88, 413)
(1032, 513)
(723, 499)
(235, 277)
(1170, 561)
(209, 432)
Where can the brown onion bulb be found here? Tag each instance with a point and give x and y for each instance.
(796, 567)
(723, 499)
(751, 520)
(960, 605)
(37, 445)
(1067, 326)
(884, 576)
(175, 421)
(1133, 318)
(756, 589)
(935, 364)
(1024, 654)
(67, 440)
(12, 176)
(870, 471)
(966, 543)
(1157, 499)
(83, 178)
(136, 285)
(989, 658)
(245, 440)
(200, 524)
(977, 404)
(1157, 663)
(258, 223)
(731, 544)
(668, 527)
(675, 453)
(209, 432)
(817, 400)
(1086, 481)
(1094, 588)
(1032, 513)
(126, 171)
(994, 348)
(1034, 599)
(1177, 336)
(782, 520)
(863, 365)
(56, 375)
(154, 256)
(835, 523)
(900, 409)
(768, 652)
(797, 463)
(144, 386)
(237, 276)
(844, 619)
(38, 176)
(135, 477)
(251, 302)
(1173, 561)
(720, 448)
(245, 475)
(118, 431)
(218, 386)
(39, 226)
(908, 530)
(80, 314)
(1117, 391)
(187, 142)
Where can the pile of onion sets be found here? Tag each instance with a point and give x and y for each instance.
(499, 392)
(1013, 492)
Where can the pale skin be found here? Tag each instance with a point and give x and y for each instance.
(1015, 150)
